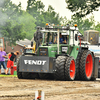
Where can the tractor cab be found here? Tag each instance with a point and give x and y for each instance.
(51, 38)
(58, 40)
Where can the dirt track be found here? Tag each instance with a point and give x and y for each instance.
(23, 89)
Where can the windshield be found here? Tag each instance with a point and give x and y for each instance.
(51, 38)
(28, 51)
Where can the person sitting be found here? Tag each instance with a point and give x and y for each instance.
(65, 40)
(50, 42)
(61, 39)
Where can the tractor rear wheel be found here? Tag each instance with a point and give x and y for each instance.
(60, 68)
(19, 74)
(86, 65)
(77, 76)
(70, 69)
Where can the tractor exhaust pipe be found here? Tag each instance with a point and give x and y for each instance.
(58, 41)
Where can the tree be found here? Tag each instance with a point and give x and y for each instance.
(12, 33)
(28, 23)
(16, 24)
(97, 27)
(7, 29)
(36, 9)
(82, 7)
(64, 21)
(51, 16)
(83, 24)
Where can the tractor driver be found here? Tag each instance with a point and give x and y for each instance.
(62, 39)
(65, 40)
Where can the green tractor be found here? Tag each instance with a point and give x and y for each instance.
(58, 55)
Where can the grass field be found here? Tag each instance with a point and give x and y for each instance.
(3, 75)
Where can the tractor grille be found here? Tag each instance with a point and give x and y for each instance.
(43, 51)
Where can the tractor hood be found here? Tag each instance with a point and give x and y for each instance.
(50, 50)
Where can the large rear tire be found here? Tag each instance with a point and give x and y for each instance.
(60, 68)
(86, 65)
(70, 69)
(77, 76)
(19, 74)
(99, 70)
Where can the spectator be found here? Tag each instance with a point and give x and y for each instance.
(11, 59)
(2, 59)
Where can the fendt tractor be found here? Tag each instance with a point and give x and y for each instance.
(58, 54)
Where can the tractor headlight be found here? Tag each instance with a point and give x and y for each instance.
(43, 51)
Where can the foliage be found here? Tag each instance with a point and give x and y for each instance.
(83, 7)
(16, 24)
(83, 24)
(28, 23)
(64, 21)
(13, 32)
(36, 9)
(97, 27)
(51, 16)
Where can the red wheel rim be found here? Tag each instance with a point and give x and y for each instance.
(72, 69)
(89, 66)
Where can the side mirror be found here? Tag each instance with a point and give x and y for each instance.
(76, 37)
(32, 44)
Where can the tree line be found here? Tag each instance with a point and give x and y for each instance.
(17, 24)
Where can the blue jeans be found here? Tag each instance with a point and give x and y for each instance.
(3, 64)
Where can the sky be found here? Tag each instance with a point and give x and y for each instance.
(60, 7)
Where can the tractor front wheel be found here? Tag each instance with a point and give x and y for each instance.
(19, 74)
(60, 68)
(70, 69)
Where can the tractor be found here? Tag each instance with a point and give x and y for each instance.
(58, 54)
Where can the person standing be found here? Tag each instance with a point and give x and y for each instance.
(11, 59)
(2, 59)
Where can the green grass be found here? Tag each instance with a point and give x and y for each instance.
(8, 75)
